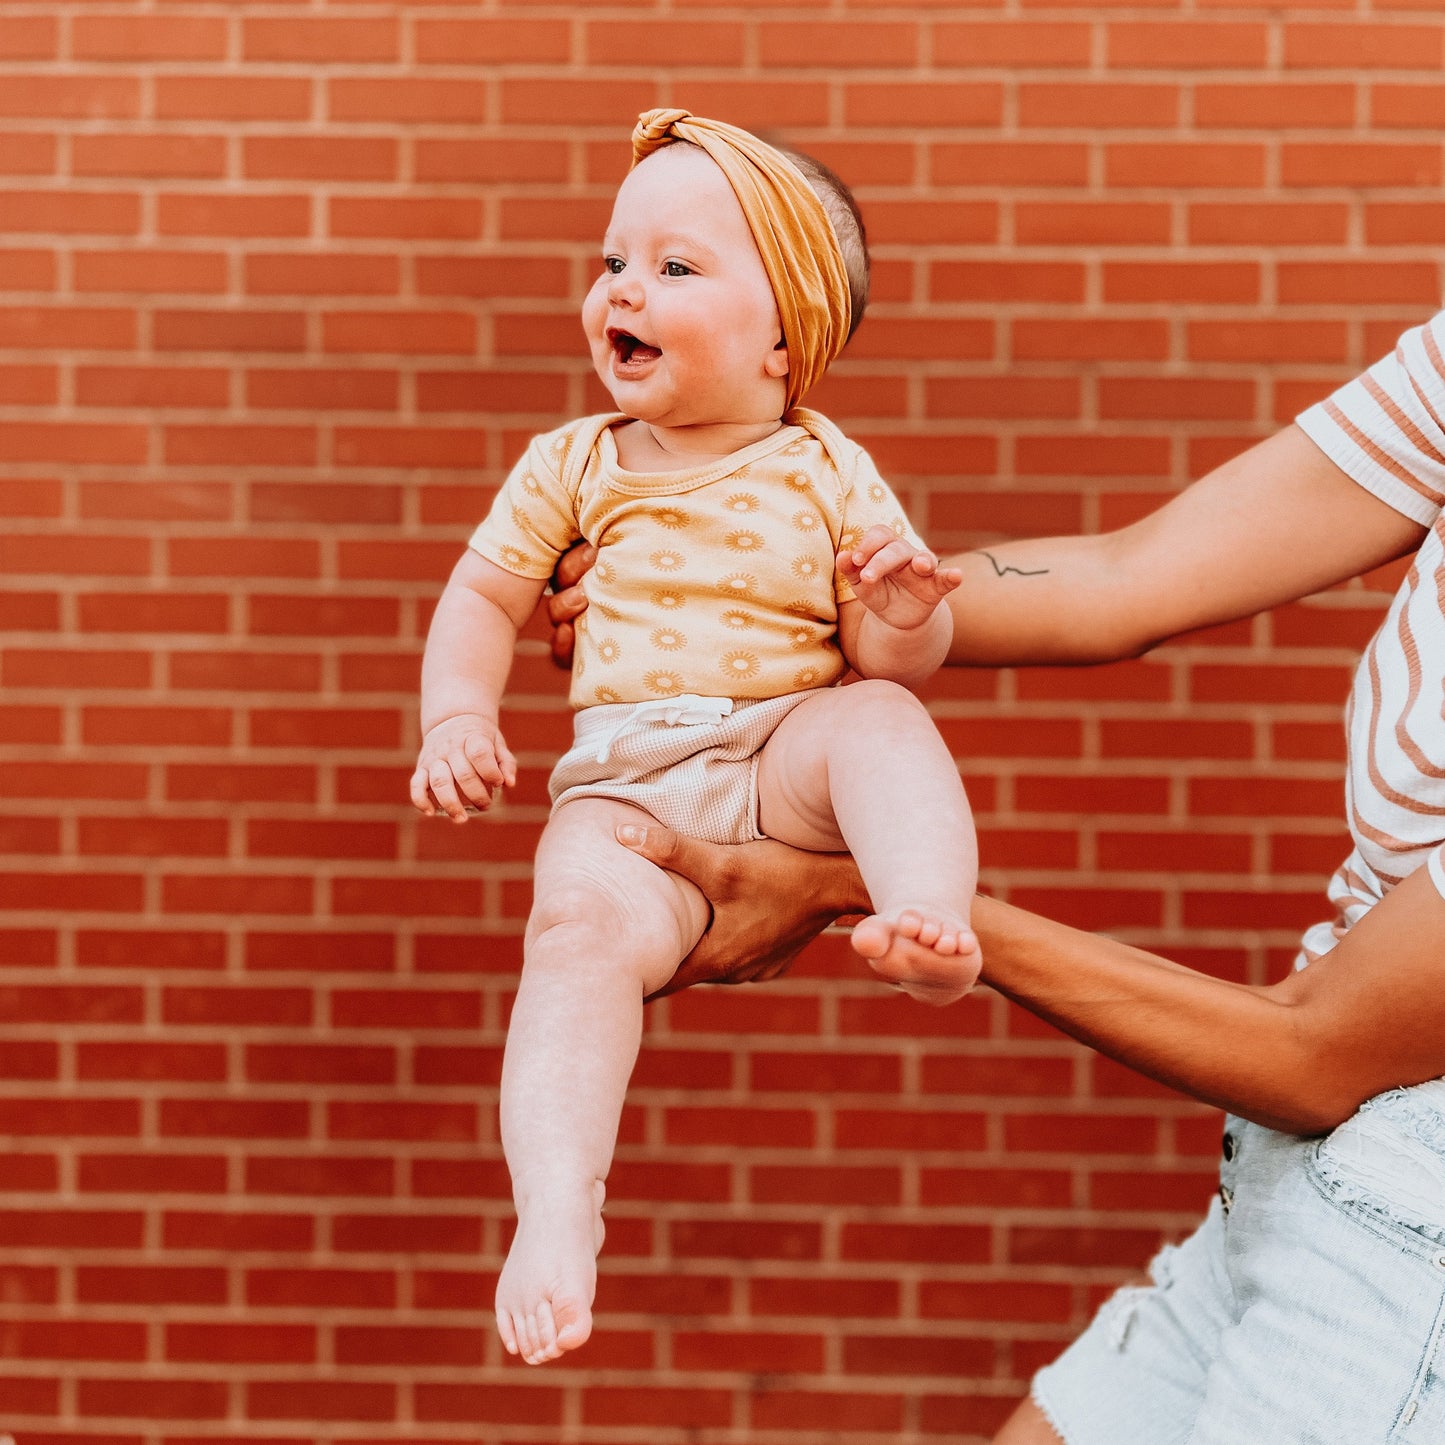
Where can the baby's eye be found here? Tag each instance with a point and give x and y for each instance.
(675, 268)
(614, 264)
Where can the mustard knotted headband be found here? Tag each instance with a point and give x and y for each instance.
(795, 238)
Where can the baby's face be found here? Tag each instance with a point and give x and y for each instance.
(682, 323)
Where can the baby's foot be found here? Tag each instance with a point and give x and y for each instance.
(544, 1297)
(931, 954)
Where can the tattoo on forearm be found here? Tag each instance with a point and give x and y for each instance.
(1017, 571)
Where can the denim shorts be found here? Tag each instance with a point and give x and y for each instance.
(1307, 1309)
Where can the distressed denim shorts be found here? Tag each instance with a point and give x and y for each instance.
(1307, 1309)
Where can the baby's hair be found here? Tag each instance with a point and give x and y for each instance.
(847, 223)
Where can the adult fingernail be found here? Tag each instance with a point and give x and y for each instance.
(631, 834)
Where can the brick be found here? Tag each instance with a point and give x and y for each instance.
(1275, 106)
(1404, 106)
(400, 332)
(499, 40)
(155, 1173)
(1296, 223)
(1115, 105)
(432, 99)
(201, 157)
(308, 1400)
(1118, 223)
(321, 952)
(118, 1341)
(232, 445)
(148, 948)
(25, 154)
(71, 97)
(1184, 165)
(197, 1063)
(924, 104)
(66, 1229)
(150, 1284)
(150, 386)
(148, 37)
(271, 1343)
(797, 44)
(902, 1354)
(320, 1064)
(324, 40)
(407, 1234)
(480, 160)
(229, 330)
(449, 218)
(1346, 46)
(327, 1288)
(1028, 44)
(237, 1231)
(1377, 164)
(181, 1400)
(232, 97)
(319, 1176)
(174, 612)
(1180, 45)
(56, 327)
(294, 274)
(662, 1406)
(204, 214)
(27, 386)
(30, 37)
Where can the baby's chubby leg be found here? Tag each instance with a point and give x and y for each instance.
(606, 929)
(862, 767)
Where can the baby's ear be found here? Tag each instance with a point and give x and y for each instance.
(777, 360)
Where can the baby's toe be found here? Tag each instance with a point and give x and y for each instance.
(908, 923)
(930, 932)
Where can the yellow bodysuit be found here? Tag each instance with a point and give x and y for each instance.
(719, 580)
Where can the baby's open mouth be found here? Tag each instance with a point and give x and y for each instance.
(627, 347)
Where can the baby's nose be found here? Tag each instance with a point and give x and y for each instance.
(624, 290)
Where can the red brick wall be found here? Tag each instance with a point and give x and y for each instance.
(283, 288)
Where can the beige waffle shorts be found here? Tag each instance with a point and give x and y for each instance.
(698, 778)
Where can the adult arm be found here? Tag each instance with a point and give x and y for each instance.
(1299, 1055)
(1276, 523)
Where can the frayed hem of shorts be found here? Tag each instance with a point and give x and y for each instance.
(1036, 1394)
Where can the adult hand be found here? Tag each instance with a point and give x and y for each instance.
(567, 602)
(768, 901)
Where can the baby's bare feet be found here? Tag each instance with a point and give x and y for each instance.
(544, 1296)
(932, 955)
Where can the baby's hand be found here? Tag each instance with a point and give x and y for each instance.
(899, 583)
(463, 760)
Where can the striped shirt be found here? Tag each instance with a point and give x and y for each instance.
(1386, 430)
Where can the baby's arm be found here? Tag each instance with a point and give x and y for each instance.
(464, 673)
(896, 629)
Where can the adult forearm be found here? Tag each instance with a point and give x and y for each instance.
(1300, 1055)
(1227, 1044)
(1275, 523)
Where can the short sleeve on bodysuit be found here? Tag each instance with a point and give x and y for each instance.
(533, 520)
(1386, 429)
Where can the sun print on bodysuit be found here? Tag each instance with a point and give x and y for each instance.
(662, 681)
(738, 584)
(739, 666)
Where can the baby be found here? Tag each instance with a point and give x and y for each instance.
(733, 588)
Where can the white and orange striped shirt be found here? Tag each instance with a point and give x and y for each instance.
(1386, 429)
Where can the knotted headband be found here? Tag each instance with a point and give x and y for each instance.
(795, 238)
